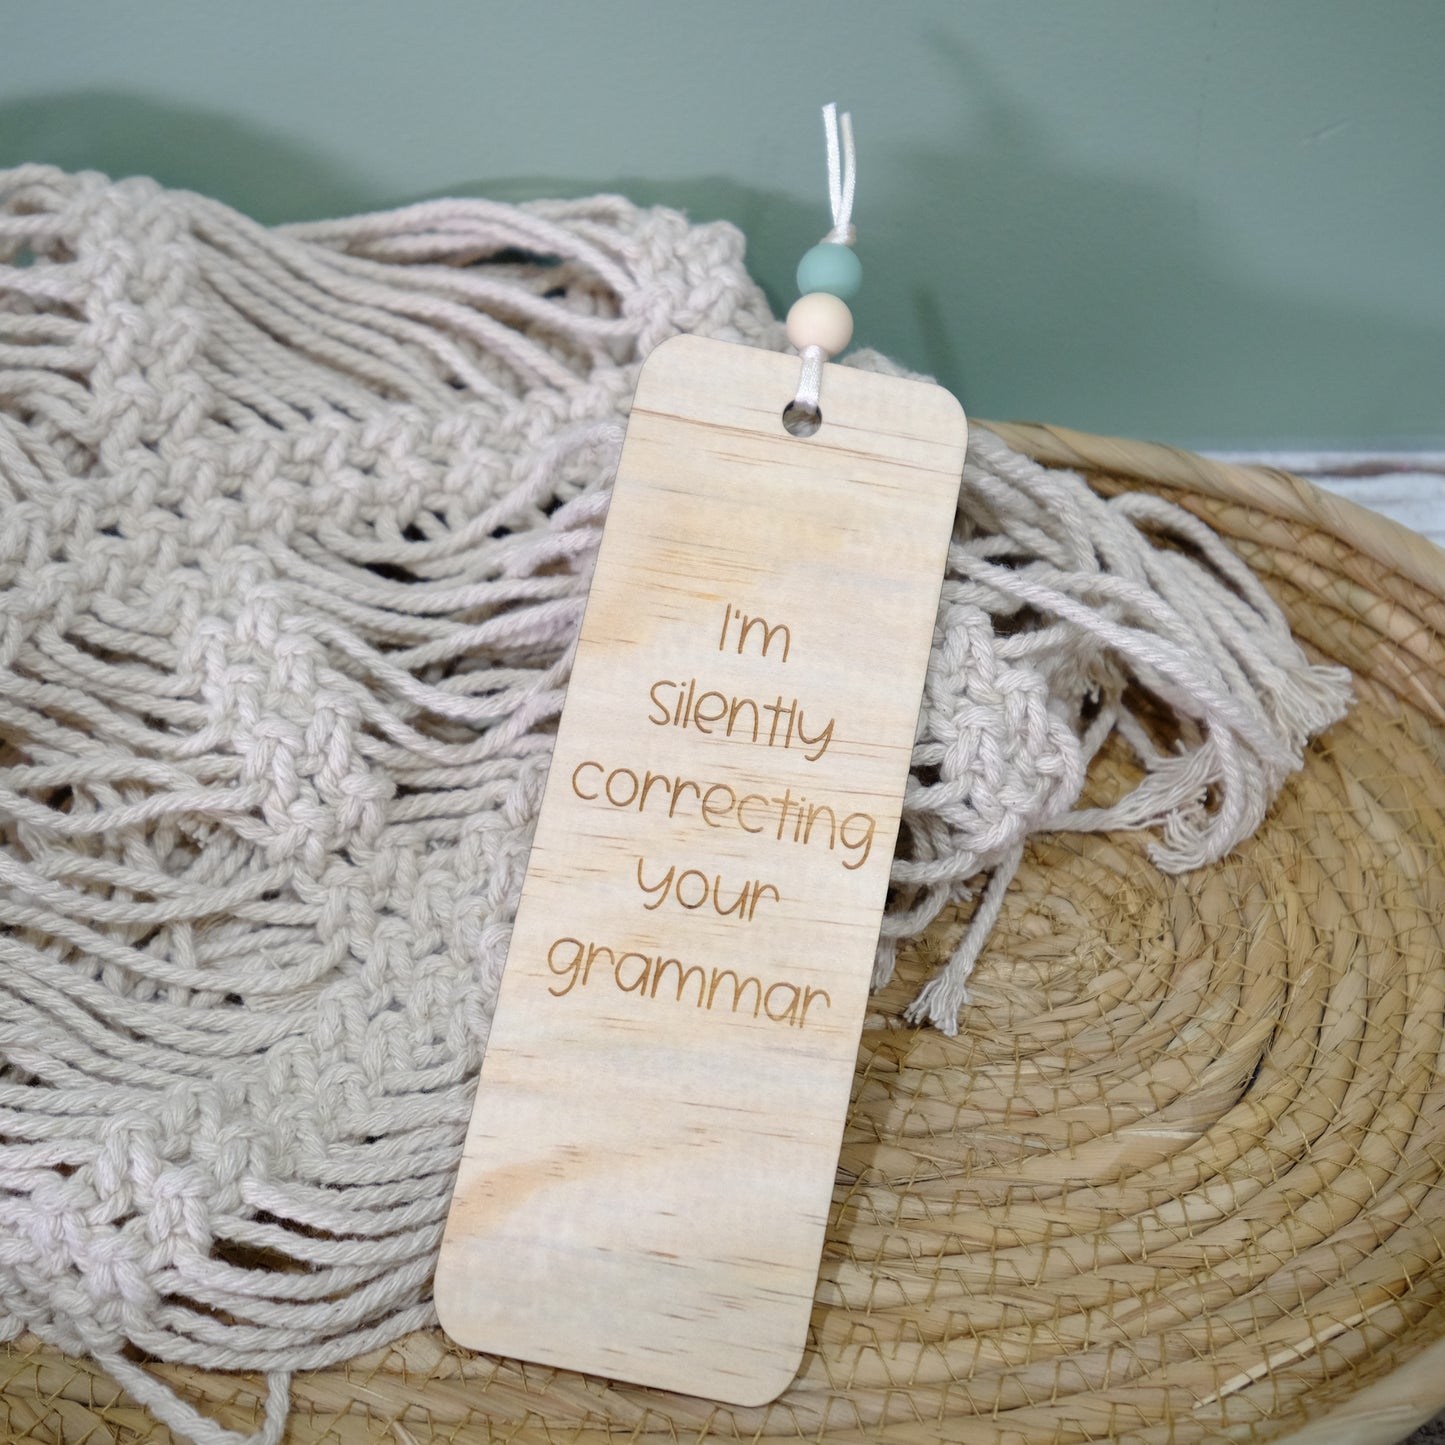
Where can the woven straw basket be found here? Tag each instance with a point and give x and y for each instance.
(1181, 1175)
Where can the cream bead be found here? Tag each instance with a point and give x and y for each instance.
(819, 319)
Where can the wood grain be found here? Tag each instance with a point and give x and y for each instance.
(647, 1175)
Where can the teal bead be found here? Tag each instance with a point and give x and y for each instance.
(832, 268)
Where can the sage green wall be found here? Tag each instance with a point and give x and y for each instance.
(1213, 223)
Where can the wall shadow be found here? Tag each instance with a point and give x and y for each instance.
(262, 173)
(996, 257)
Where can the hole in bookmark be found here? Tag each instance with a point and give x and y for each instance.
(800, 420)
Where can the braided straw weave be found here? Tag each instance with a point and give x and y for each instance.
(1179, 1176)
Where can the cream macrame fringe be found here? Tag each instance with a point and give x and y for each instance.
(1062, 614)
(295, 530)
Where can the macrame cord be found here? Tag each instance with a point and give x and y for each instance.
(295, 533)
(842, 184)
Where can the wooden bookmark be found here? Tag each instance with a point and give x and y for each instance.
(648, 1172)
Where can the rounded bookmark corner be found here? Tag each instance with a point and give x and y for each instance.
(764, 1388)
(446, 1298)
(682, 344)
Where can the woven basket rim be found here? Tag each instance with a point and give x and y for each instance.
(1386, 1411)
(1286, 495)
